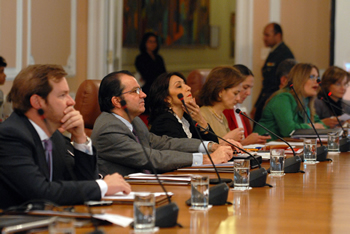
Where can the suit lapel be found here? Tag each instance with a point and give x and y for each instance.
(39, 154)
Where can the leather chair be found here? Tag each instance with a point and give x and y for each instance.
(196, 79)
(86, 101)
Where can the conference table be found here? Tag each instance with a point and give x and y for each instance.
(316, 201)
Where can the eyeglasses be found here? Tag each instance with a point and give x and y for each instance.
(340, 85)
(313, 77)
(137, 91)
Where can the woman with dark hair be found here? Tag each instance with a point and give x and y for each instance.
(149, 63)
(167, 114)
(335, 81)
(236, 120)
(283, 113)
(219, 92)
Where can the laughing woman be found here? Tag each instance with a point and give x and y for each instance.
(283, 113)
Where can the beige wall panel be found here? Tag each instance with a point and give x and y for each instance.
(81, 63)
(306, 25)
(261, 18)
(50, 34)
(8, 31)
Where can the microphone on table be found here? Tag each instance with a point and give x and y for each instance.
(94, 223)
(257, 177)
(166, 216)
(292, 165)
(217, 194)
(322, 151)
(344, 143)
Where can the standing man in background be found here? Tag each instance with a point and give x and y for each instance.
(273, 38)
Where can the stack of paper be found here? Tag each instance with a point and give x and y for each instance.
(141, 178)
(120, 198)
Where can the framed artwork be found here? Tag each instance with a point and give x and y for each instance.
(176, 22)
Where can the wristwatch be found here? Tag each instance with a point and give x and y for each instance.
(205, 130)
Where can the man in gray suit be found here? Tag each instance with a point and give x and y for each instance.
(119, 137)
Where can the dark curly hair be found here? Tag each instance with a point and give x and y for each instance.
(158, 93)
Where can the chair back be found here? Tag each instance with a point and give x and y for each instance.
(196, 80)
(86, 101)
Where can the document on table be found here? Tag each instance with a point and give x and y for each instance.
(344, 117)
(115, 219)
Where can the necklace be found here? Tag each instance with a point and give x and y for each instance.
(220, 117)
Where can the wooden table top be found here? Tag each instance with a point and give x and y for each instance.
(314, 202)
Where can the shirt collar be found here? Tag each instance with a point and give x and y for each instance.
(39, 130)
(274, 47)
(127, 123)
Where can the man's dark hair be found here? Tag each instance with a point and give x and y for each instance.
(284, 67)
(2, 62)
(277, 28)
(110, 87)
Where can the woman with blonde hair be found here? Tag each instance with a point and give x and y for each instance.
(283, 113)
(334, 82)
(219, 92)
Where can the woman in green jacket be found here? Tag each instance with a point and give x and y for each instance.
(283, 113)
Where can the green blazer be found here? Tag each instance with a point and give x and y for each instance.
(281, 116)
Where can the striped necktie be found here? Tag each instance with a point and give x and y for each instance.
(48, 155)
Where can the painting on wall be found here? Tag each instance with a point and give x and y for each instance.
(176, 22)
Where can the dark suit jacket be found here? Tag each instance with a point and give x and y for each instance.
(24, 172)
(270, 81)
(119, 151)
(167, 124)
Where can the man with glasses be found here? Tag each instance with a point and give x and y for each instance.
(122, 139)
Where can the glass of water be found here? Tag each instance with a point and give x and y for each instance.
(310, 151)
(241, 174)
(277, 159)
(62, 225)
(199, 192)
(333, 142)
(144, 212)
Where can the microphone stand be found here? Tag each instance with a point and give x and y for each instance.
(292, 165)
(322, 151)
(217, 194)
(257, 177)
(166, 216)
